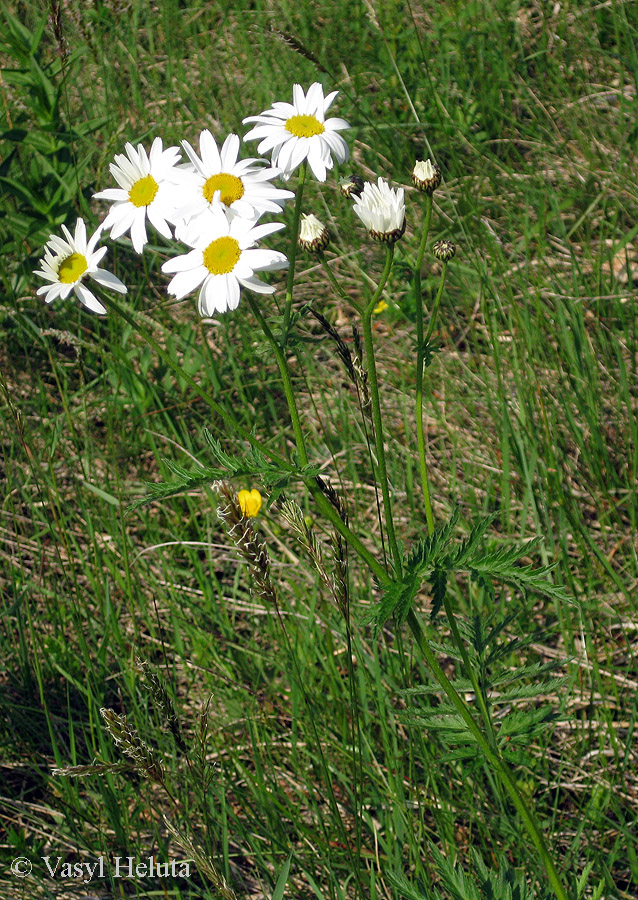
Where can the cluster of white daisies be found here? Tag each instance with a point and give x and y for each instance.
(212, 204)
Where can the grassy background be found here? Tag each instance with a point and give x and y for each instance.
(530, 108)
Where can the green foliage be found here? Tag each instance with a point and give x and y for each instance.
(434, 558)
(522, 700)
(480, 883)
(531, 113)
(44, 159)
(253, 464)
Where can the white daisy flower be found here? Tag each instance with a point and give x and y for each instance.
(67, 262)
(147, 188)
(244, 188)
(299, 130)
(222, 260)
(382, 211)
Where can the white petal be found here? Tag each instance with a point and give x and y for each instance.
(109, 280)
(158, 221)
(185, 282)
(80, 236)
(122, 219)
(138, 230)
(259, 287)
(210, 153)
(229, 153)
(88, 299)
(298, 98)
(317, 162)
(327, 101)
(194, 158)
(93, 259)
(232, 292)
(314, 101)
(184, 263)
(337, 145)
(336, 125)
(287, 150)
(265, 260)
(111, 194)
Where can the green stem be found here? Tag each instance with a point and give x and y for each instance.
(437, 302)
(179, 371)
(316, 492)
(292, 255)
(491, 755)
(287, 381)
(311, 483)
(376, 408)
(418, 299)
(471, 674)
(422, 342)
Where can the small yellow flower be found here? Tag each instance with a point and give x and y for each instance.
(381, 305)
(250, 502)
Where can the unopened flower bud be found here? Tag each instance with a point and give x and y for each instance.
(382, 210)
(351, 186)
(313, 234)
(426, 176)
(444, 250)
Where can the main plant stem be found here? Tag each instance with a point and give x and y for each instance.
(491, 755)
(386, 581)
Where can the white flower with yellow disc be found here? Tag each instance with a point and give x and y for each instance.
(223, 260)
(67, 262)
(243, 184)
(299, 130)
(148, 189)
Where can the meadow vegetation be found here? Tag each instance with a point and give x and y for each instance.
(291, 736)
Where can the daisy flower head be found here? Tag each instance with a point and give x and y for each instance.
(223, 260)
(243, 185)
(67, 261)
(299, 130)
(382, 211)
(148, 188)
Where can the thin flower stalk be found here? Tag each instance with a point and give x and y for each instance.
(418, 298)
(319, 497)
(292, 256)
(376, 408)
(422, 343)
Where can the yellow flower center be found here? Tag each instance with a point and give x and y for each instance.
(250, 502)
(304, 126)
(72, 268)
(221, 255)
(143, 191)
(231, 187)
